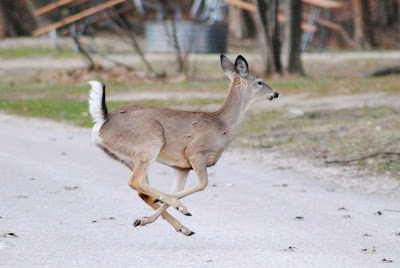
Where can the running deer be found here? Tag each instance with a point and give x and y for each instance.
(138, 134)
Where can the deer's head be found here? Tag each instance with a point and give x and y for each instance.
(254, 88)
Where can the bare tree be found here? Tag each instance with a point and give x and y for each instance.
(241, 23)
(387, 12)
(292, 38)
(268, 35)
(16, 18)
(362, 30)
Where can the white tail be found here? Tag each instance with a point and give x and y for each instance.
(138, 134)
(97, 106)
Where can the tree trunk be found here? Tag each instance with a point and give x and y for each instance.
(276, 42)
(16, 18)
(362, 30)
(268, 35)
(386, 12)
(292, 38)
(241, 23)
(263, 36)
(236, 22)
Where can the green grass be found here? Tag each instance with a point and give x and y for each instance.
(330, 135)
(25, 52)
(76, 111)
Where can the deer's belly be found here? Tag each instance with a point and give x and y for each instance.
(175, 163)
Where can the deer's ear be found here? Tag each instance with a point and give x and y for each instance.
(241, 67)
(227, 66)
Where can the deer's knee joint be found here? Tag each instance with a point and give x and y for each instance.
(135, 185)
(203, 185)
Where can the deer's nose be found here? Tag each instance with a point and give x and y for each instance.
(276, 94)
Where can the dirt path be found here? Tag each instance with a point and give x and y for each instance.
(70, 206)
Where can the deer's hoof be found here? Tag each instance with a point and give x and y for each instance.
(186, 232)
(136, 223)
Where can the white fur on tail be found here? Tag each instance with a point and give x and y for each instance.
(97, 107)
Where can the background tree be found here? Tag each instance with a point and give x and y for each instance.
(292, 38)
(268, 35)
(387, 12)
(362, 24)
(16, 18)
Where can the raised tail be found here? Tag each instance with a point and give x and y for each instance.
(97, 106)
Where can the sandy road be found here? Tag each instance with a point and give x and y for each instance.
(70, 206)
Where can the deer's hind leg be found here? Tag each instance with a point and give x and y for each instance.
(179, 185)
(148, 144)
(138, 182)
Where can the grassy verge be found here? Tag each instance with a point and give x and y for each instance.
(14, 53)
(328, 135)
(76, 111)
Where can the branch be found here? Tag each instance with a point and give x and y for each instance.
(83, 51)
(385, 71)
(129, 68)
(342, 162)
(121, 32)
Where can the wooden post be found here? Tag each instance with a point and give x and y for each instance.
(52, 6)
(77, 17)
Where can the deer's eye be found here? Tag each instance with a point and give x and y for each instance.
(259, 83)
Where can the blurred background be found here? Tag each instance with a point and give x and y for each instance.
(335, 63)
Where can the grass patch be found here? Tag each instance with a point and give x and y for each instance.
(24, 52)
(76, 111)
(35, 87)
(331, 135)
(53, 86)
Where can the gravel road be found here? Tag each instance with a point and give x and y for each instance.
(70, 206)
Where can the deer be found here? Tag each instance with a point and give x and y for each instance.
(138, 135)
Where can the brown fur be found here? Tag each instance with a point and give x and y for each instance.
(137, 134)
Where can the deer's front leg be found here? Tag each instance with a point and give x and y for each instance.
(179, 184)
(199, 165)
(138, 182)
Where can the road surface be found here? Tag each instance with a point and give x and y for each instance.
(69, 205)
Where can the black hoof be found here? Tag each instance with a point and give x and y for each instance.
(191, 233)
(155, 201)
(136, 223)
(188, 214)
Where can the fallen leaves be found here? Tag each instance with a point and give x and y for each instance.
(104, 219)
(280, 185)
(68, 188)
(9, 235)
(289, 249)
(369, 250)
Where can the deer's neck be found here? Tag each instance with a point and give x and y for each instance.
(233, 111)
